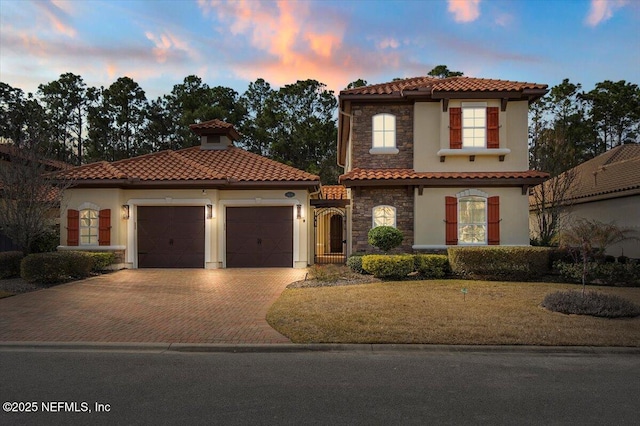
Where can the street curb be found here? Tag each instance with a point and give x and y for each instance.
(312, 347)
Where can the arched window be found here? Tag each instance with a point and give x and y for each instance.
(384, 131)
(472, 220)
(89, 227)
(384, 216)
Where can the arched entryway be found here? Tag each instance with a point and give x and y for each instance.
(330, 238)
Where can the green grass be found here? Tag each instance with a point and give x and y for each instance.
(437, 312)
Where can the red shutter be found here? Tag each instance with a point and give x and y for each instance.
(73, 227)
(104, 227)
(451, 219)
(494, 220)
(455, 128)
(493, 127)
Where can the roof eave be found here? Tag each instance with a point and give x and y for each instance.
(444, 182)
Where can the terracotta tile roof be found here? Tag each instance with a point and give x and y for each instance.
(215, 126)
(192, 164)
(451, 84)
(13, 151)
(410, 174)
(334, 192)
(616, 173)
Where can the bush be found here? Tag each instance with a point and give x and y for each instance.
(385, 237)
(10, 263)
(510, 263)
(592, 303)
(55, 267)
(46, 242)
(101, 260)
(432, 265)
(619, 274)
(388, 266)
(354, 262)
(327, 273)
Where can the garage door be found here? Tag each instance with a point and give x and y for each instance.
(259, 237)
(170, 237)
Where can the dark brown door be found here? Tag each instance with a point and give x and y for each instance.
(335, 233)
(259, 237)
(170, 237)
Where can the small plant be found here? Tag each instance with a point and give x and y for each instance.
(592, 303)
(327, 273)
(385, 237)
(354, 262)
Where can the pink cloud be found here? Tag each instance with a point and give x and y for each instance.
(388, 43)
(602, 10)
(464, 10)
(57, 13)
(168, 44)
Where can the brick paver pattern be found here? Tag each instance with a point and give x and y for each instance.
(151, 305)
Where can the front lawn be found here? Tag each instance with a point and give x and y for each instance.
(438, 312)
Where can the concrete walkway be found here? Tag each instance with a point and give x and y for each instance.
(151, 305)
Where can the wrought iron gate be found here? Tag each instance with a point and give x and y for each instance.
(330, 226)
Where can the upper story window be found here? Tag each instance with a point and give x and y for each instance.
(474, 130)
(384, 216)
(474, 126)
(89, 227)
(384, 131)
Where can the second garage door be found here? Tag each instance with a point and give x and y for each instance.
(258, 237)
(170, 237)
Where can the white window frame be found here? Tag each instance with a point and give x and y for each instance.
(474, 128)
(385, 217)
(89, 226)
(388, 133)
(472, 196)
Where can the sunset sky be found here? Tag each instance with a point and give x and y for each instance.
(231, 43)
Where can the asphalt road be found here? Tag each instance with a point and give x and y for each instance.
(332, 388)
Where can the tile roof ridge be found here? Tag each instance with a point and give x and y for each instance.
(116, 172)
(196, 165)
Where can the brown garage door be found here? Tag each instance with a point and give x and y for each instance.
(170, 237)
(259, 237)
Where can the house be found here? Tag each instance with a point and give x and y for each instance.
(208, 206)
(445, 160)
(607, 189)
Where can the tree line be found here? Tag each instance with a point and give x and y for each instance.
(295, 124)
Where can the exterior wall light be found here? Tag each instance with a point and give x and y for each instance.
(299, 211)
(209, 211)
(125, 211)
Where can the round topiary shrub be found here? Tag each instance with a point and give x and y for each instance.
(385, 237)
(592, 303)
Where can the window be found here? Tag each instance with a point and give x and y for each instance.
(472, 220)
(384, 216)
(89, 227)
(474, 131)
(384, 131)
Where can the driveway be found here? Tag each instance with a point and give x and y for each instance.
(151, 305)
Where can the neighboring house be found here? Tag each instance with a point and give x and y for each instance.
(445, 160)
(606, 188)
(209, 206)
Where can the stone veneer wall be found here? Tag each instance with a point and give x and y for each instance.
(361, 137)
(364, 200)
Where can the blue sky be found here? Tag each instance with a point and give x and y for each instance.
(231, 43)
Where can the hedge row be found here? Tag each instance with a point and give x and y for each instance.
(515, 263)
(399, 266)
(618, 274)
(10, 263)
(508, 263)
(55, 267)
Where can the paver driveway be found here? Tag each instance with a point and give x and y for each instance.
(151, 305)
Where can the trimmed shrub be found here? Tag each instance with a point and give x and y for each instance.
(592, 303)
(10, 263)
(618, 274)
(388, 266)
(385, 237)
(55, 267)
(432, 265)
(101, 260)
(508, 263)
(354, 262)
